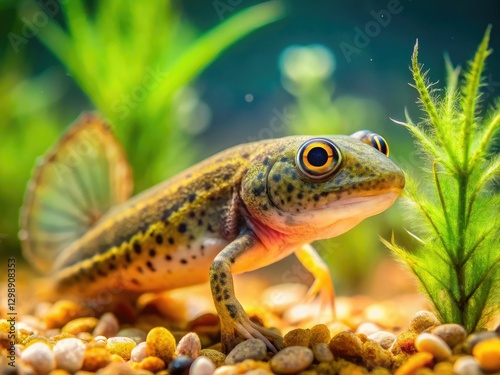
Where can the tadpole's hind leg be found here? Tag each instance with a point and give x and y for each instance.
(322, 285)
(234, 321)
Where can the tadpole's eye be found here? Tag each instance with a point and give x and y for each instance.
(373, 140)
(318, 158)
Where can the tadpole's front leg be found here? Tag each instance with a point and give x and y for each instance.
(234, 320)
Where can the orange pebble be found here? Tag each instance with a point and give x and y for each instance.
(413, 363)
(487, 354)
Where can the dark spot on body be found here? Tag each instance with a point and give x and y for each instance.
(210, 229)
(171, 240)
(217, 289)
(183, 261)
(233, 311)
(113, 257)
(135, 281)
(159, 239)
(207, 186)
(283, 159)
(193, 256)
(139, 269)
(150, 266)
(265, 207)
(277, 177)
(260, 175)
(300, 195)
(289, 188)
(258, 190)
(127, 256)
(316, 197)
(191, 238)
(191, 198)
(111, 267)
(265, 161)
(101, 273)
(226, 176)
(226, 295)
(152, 253)
(219, 298)
(168, 257)
(324, 194)
(191, 214)
(200, 222)
(182, 228)
(246, 155)
(282, 201)
(202, 213)
(137, 248)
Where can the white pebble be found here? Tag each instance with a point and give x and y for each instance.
(100, 339)
(189, 345)
(69, 354)
(139, 352)
(40, 357)
(427, 342)
(383, 338)
(467, 365)
(202, 366)
(368, 328)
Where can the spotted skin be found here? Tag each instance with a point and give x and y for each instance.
(240, 210)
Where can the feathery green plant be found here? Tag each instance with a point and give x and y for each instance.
(457, 261)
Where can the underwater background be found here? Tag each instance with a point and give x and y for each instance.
(294, 67)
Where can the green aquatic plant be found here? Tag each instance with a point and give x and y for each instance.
(134, 60)
(457, 260)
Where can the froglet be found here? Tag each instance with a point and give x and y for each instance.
(237, 211)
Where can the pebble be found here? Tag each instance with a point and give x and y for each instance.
(79, 325)
(347, 345)
(136, 334)
(292, 360)
(95, 359)
(487, 354)
(249, 349)
(422, 320)
(467, 365)
(160, 343)
(319, 334)
(40, 357)
(69, 354)
(368, 328)
(101, 339)
(61, 313)
(427, 342)
(322, 353)
(202, 366)
(452, 334)
(139, 352)
(215, 356)
(279, 298)
(413, 363)
(475, 338)
(383, 338)
(226, 370)
(376, 356)
(116, 368)
(153, 364)
(189, 345)
(297, 337)
(121, 346)
(404, 343)
(107, 326)
(180, 365)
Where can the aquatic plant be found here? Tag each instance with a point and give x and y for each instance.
(133, 59)
(457, 260)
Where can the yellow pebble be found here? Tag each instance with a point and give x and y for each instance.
(61, 313)
(160, 343)
(413, 363)
(153, 364)
(121, 346)
(79, 325)
(59, 372)
(487, 354)
(297, 337)
(95, 359)
(320, 334)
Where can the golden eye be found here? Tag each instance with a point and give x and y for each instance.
(373, 140)
(318, 158)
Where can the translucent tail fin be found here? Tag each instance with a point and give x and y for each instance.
(73, 185)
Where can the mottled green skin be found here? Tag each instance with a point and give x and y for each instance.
(168, 236)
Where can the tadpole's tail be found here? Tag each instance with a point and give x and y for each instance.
(72, 186)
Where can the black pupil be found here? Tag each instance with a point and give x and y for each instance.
(317, 157)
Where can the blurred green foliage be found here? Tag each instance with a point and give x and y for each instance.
(134, 61)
